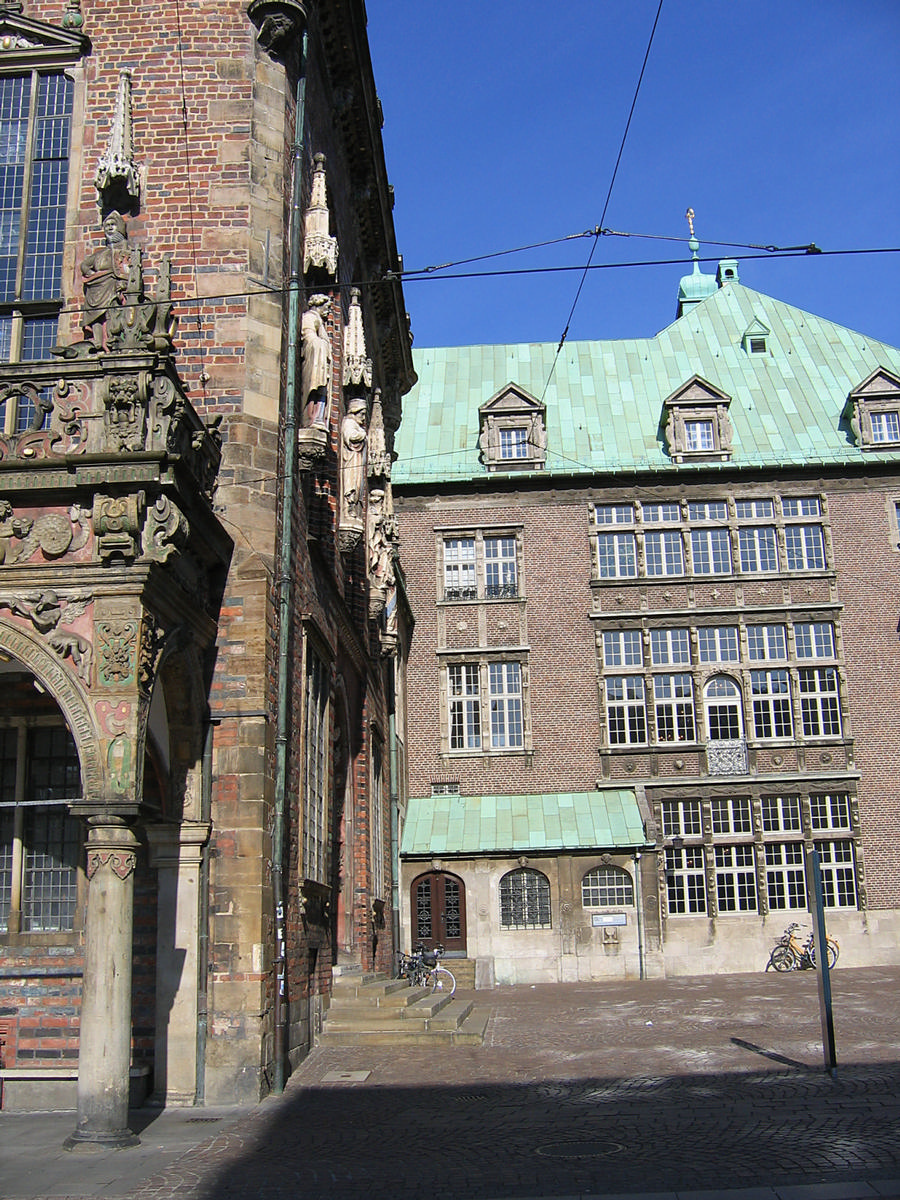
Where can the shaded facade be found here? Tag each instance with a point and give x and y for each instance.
(202, 618)
(658, 579)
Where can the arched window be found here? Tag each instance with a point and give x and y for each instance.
(723, 709)
(606, 886)
(524, 900)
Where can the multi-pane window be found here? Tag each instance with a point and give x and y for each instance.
(524, 900)
(754, 510)
(664, 552)
(616, 556)
(804, 547)
(40, 844)
(781, 814)
(731, 814)
(626, 710)
(485, 706)
(623, 648)
(685, 881)
(459, 569)
(711, 551)
(758, 549)
(669, 646)
(718, 643)
(707, 510)
(315, 796)
(505, 689)
(838, 872)
(885, 426)
(699, 435)
(605, 887)
(614, 514)
(766, 642)
(35, 119)
(735, 878)
(674, 708)
(814, 639)
(785, 875)
(500, 572)
(829, 811)
(680, 818)
(820, 707)
(513, 442)
(723, 709)
(480, 565)
(464, 700)
(771, 704)
(801, 506)
(660, 514)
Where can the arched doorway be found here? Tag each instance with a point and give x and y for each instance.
(438, 908)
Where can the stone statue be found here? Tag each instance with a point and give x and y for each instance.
(316, 370)
(353, 460)
(382, 539)
(107, 274)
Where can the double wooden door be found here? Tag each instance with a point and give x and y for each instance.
(439, 911)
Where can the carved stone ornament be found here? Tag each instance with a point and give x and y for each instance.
(279, 23)
(166, 530)
(382, 548)
(320, 248)
(312, 446)
(379, 458)
(46, 610)
(357, 366)
(315, 371)
(118, 179)
(117, 522)
(120, 862)
(117, 645)
(353, 476)
(53, 534)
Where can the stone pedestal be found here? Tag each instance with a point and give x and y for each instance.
(104, 1055)
(176, 852)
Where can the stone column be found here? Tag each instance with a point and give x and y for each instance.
(104, 1055)
(176, 852)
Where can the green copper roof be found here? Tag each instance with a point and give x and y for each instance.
(443, 825)
(605, 399)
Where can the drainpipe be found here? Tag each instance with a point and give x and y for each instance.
(203, 920)
(393, 783)
(639, 909)
(285, 626)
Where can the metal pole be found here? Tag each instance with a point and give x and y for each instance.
(817, 911)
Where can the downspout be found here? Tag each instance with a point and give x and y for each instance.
(285, 625)
(203, 920)
(393, 783)
(639, 910)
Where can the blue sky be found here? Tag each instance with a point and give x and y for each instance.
(776, 122)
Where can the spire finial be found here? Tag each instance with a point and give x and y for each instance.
(690, 220)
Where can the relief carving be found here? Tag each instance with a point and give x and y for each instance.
(120, 862)
(117, 523)
(166, 530)
(117, 652)
(353, 473)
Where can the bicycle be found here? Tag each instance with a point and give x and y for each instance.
(423, 968)
(790, 954)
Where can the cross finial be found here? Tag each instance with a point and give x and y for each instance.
(690, 220)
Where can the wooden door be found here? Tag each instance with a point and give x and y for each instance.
(439, 911)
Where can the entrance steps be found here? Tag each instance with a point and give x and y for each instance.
(372, 1010)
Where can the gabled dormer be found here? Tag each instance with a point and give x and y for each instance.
(512, 431)
(696, 422)
(756, 338)
(874, 411)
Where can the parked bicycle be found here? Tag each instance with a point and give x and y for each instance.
(790, 954)
(423, 968)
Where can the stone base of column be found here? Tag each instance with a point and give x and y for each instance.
(88, 1140)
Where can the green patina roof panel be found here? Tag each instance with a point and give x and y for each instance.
(606, 820)
(605, 399)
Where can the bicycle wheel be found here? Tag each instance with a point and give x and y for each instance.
(441, 980)
(833, 952)
(783, 959)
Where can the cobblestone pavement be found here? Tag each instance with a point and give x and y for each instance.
(702, 1086)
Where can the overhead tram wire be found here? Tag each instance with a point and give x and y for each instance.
(565, 332)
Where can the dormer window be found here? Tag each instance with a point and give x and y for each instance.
(512, 432)
(696, 423)
(874, 412)
(756, 337)
(758, 345)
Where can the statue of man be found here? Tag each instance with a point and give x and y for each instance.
(316, 370)
(353, 459)
(105, 274)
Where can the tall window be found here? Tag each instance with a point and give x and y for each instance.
(616, 556)
(805, 547)
(623, 648)
(674, 707)
(785, 875)
(626, 710)
(685, 882)
(459, 569)
(718, 643)
(669, 646)
(711, 551)
(757, 549)
(500, 576)
(820, 706)
(699, 435)
(35, 118)
(838, 874)
(664, 552)
(731, 814)
(315, 797)
(814, 640)
(40, 844)
(505, 688)
(735, 878)
(480, 565)
(524, 900)
(766, 642)
(771, 704)
(464, 698)
(723, 709)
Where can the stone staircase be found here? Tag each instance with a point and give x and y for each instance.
(372, 1010)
